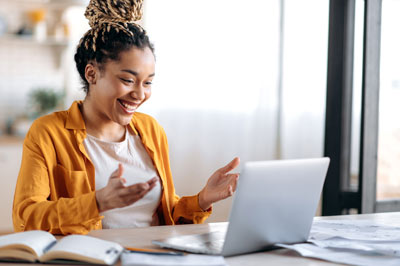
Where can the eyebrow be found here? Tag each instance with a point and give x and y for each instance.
(135, 73)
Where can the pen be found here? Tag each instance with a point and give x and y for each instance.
(154, 251)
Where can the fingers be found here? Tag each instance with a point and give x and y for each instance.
(233, 178)
(234, 182)
(119, 172)
(231, 184)
(230, 191)
(230, 166)
(136, 192)
(139, 188)
(116, 178)
(153, 181)
(116, 195)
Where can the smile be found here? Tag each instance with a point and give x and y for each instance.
(127, 107)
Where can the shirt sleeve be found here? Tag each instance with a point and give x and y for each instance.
(34, 207)
(187, 210)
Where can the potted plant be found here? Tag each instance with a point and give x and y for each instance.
(43, 101)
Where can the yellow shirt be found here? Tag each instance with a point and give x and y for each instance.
(55, 189)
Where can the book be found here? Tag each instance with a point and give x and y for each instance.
(41, 246)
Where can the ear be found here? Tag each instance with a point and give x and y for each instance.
(91, 73)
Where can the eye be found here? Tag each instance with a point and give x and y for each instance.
(148, 83)
(127, 80)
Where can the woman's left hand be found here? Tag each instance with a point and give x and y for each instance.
(220, 185)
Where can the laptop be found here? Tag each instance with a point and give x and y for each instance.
(275, 203)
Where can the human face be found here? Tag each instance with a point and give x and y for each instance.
(122, 86)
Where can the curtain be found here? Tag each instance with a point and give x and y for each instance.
(305, 52)
(234, 78)
(215, 86)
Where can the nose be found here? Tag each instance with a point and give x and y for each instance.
(138, 92)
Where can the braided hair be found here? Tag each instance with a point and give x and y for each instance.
(112, 31)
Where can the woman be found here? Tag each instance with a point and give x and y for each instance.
(101, 164)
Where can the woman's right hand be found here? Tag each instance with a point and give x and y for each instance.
(117, 195)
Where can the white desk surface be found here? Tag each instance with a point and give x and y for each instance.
(141, 238)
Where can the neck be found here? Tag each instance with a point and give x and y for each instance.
(99, 125)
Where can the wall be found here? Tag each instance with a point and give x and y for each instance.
(10, 154)
(26, 64)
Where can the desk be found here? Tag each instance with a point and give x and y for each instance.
(141, 237)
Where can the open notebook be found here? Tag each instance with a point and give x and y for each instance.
(41, 246)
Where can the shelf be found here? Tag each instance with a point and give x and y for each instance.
(56, 4)
(16, 39)
(6, 140)
(58, 47)
(67, 3)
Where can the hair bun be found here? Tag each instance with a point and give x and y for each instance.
(113, 11)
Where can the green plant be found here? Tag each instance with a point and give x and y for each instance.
(44, 100)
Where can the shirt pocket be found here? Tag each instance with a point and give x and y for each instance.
(75, 183)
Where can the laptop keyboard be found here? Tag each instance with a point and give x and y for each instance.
(209, 243)
(209, 247)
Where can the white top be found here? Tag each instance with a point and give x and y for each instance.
(138, 167)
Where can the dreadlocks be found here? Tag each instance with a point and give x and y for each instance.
(113, 30)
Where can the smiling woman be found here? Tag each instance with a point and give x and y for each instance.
(130, 77)
(102, 164)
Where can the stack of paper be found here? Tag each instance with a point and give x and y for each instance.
(352, 242)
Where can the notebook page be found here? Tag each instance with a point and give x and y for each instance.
(84, 248)
(36, 240)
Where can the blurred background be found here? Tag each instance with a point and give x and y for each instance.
(233, 78)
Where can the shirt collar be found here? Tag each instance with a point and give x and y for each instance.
(75, 118)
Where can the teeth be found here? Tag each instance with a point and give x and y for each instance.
(127, 106)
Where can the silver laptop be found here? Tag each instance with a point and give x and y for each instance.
(275, 202)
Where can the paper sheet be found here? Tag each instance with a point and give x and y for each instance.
(352, 242)
(390, 248)
(354, 229)
(344, 256)
(167, 260)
